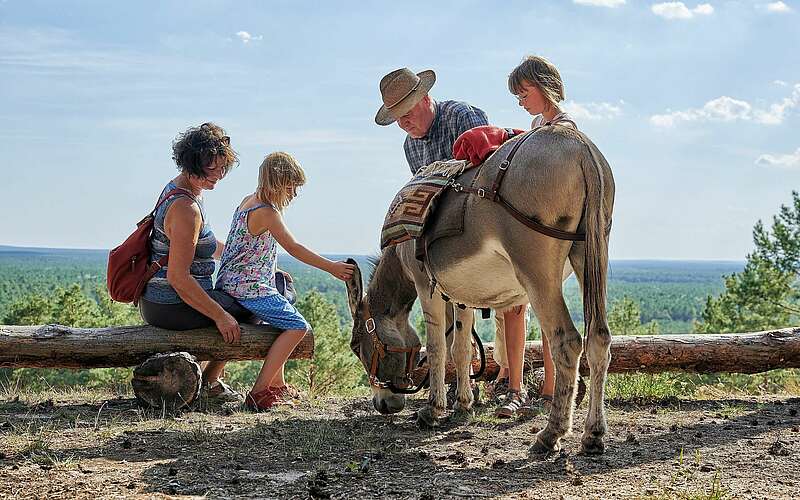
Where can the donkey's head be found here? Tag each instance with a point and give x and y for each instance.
(382, 338)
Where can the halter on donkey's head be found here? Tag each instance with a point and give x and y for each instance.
(360, 308)
(379, 350)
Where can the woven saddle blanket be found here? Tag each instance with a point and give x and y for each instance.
(415, 202)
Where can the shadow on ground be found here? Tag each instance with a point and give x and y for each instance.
(344, 449)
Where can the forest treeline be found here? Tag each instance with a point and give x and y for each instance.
(672, 294)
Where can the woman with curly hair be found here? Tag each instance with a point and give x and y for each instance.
(181, 295)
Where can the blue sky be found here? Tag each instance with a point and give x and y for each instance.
(696, 106)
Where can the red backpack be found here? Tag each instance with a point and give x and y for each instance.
(129, 267)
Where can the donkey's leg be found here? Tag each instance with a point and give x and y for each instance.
(462, 356)
(565, 347)
(598, 356)
(433, 309)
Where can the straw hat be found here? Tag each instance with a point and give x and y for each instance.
(401, 90)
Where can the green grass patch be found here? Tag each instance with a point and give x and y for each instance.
(648, 386)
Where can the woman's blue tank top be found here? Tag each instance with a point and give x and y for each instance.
(158, 290)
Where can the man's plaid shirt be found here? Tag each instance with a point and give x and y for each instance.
(452, 119)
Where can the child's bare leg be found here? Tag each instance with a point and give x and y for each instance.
(271, 374)
(515, 345)
(548, 386)
(500, 345)
(212, 371)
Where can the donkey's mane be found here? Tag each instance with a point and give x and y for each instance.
(390, 289)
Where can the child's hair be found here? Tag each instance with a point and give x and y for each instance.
(279, 173)
(538, 71)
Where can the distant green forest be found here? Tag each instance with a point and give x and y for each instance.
(672, 293)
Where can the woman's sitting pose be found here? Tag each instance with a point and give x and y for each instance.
(247, 270)
(181, 296)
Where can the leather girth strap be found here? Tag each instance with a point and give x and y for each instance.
(493, 194)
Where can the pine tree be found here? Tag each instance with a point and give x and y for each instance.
(334, 368)
(73, 308)
(115, 313)
(31, 310)
(765, 294)
(625, 318)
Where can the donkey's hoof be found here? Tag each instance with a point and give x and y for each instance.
(460, 407)
(462, 415)
(546, 442)
(591, 445)
(426, 418)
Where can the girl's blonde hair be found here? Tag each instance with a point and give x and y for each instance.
(538, 71)
(279, 173)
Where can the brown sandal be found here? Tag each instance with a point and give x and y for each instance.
(516, 402)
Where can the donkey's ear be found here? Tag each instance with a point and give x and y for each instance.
(355, 290)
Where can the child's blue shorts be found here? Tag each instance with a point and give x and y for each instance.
(275, 310)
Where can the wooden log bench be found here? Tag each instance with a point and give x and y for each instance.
(168, 374)
(752, 352)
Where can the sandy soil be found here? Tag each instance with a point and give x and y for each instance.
(334, 448)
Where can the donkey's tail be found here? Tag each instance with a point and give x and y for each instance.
(596, 220)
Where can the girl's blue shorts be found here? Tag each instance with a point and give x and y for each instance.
(275, 310)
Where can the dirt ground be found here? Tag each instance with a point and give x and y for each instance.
(86, 447)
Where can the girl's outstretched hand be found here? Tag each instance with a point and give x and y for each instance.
(342, 270)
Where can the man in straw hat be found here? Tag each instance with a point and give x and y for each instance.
(432, 126)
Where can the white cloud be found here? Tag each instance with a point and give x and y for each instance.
(723, 109)
(246, 37)
(780, 83)
(778, 7)
(592, 110)
(704, 9)
(791, 160)
(679, 10)
(776, 112)
(600, 3)
(727, 109)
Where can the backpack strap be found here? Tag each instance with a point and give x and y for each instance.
(170, 194)
(157, 265)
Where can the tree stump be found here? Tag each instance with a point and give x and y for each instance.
(167, 381)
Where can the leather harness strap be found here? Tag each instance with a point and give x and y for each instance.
(379, 350)
(493, 194)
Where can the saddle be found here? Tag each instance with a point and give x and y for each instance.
(412, 207)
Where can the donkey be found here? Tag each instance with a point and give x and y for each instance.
(561, 180)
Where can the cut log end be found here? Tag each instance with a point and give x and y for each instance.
(168, 381)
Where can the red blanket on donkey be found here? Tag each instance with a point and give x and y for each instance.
(479, 143)
(413, 204)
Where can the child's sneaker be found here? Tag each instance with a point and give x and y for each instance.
(286, 392)
(261, 400)
(219, 393)
(286, 395)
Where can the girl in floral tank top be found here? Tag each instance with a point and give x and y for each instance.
(248, 264)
